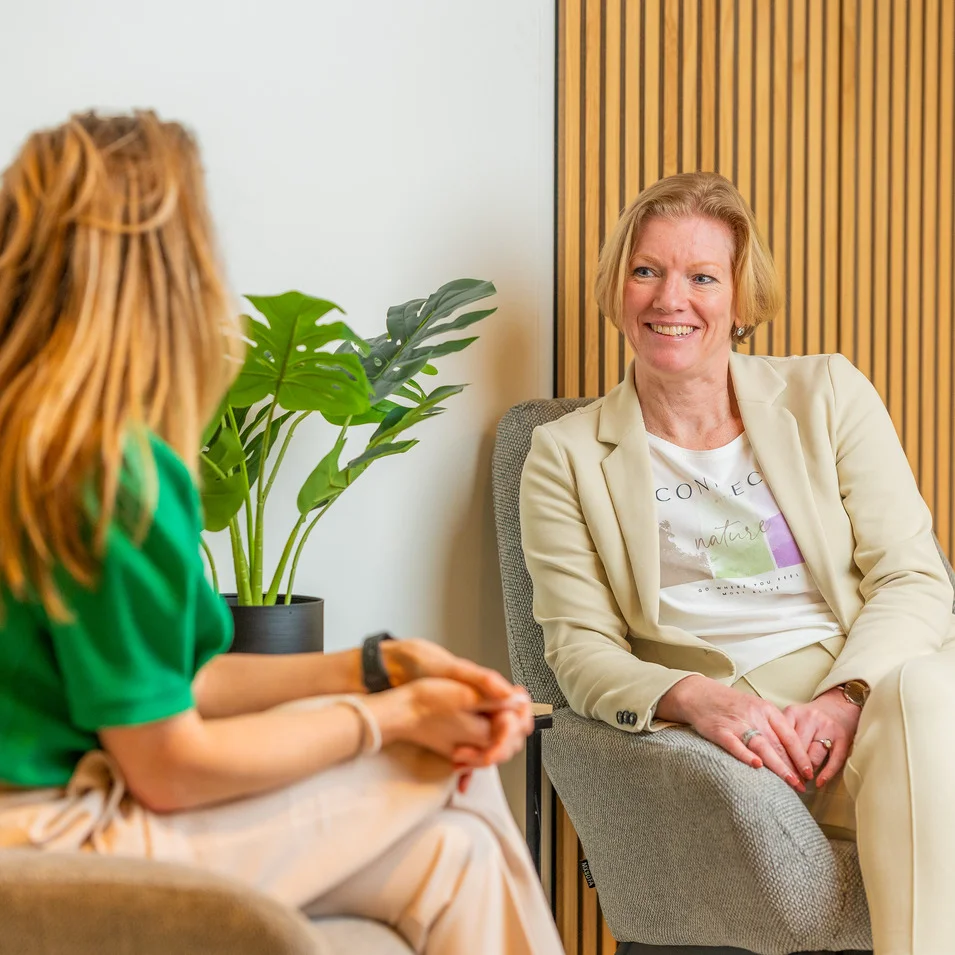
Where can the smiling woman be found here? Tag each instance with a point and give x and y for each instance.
(736, 543)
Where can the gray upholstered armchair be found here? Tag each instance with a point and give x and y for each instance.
(688, 847)
(78, 904)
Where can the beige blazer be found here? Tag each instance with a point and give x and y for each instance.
(829, 453)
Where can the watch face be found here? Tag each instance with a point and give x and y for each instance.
(856, 692)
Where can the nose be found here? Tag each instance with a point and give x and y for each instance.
(671, 295)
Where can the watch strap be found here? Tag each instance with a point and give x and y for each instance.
(373, 673)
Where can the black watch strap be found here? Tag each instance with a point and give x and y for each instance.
(373, 672)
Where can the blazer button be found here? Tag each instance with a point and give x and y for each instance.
(620, 717)
(632, 719)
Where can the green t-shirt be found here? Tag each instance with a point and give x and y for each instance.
(130, 653)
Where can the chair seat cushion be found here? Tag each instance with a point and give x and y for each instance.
(688, 846)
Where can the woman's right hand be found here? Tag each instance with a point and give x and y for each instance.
(723, 715)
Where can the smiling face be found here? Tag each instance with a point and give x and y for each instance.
(678, 310)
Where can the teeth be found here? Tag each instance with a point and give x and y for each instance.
(672, 330)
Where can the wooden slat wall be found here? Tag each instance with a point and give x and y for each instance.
(835, 119)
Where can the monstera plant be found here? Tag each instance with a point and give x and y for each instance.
(303, 361)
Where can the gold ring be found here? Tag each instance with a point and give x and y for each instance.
(825, 742)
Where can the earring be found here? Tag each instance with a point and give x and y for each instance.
(740, 332)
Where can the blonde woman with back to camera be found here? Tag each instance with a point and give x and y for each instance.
(736, 544)
(118, 706)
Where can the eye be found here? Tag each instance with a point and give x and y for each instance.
(702, 279)
(643, 272)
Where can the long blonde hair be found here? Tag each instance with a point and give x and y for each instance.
(115, 321)
(756, 287)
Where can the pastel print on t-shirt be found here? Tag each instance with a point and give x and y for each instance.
(740, 533)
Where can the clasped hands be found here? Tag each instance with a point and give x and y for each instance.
(788, 742)
(467, 713)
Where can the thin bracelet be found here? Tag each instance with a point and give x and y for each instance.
(370, 730)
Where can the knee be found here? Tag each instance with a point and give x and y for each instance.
(926, 685)
(920, 689)
(463, 840)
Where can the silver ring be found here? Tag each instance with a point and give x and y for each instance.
(825, 742)
(750, 734)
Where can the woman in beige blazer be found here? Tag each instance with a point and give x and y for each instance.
(794, 611)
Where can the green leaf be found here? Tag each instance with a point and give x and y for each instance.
(396, 423)
(258, 418)
(221, 497)
(448, 348)
(372, 416)
(285, 359)
(395, 358)
(402, 319)
(325, 482)
(253, 450)
(379, 451)
(462, 321)
(226, 451)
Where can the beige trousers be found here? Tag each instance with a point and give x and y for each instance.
(897, 792)
(385, 837)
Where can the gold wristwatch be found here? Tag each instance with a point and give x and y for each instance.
(855, 692)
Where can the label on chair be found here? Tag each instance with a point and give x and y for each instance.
(585, 868)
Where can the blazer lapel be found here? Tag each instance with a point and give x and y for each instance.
(628, 473)
(774, 436)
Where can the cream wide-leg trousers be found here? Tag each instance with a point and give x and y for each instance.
(386, 837)
(897, 792)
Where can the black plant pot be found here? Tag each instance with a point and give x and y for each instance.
(298, 627)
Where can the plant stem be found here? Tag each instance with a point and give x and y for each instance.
(260, 510)
(298, 552)
(242, 588)
(282, 450)
(272, 595)
(212, 563)
(273, 591)
(245, 474)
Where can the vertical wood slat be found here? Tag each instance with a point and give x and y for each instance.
(779, 152)
(611, 370)
(835, 118)
(568, 888)
(593, 107)
(895, 330)
(863, 314)
(945, 310)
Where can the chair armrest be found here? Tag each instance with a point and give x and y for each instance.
(687, 844)
(87, 905)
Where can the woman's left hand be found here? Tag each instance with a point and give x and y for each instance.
(828, 717)
(509, 708)
(407, 660)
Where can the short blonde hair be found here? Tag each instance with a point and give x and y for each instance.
(756, 288)
(115, 320)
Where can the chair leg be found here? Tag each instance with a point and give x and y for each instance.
(532, 790)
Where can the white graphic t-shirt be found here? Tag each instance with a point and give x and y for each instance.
(730, 570)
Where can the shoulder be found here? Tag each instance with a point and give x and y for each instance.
(156, 480)
(809, 379)
(581, 422)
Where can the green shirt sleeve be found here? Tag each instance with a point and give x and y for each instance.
(138, 638)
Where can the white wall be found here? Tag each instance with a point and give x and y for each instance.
(364, 152)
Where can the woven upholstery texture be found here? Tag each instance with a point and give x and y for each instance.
(525, 641)
(687, 845)
(81, 904)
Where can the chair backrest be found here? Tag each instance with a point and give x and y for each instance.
(525, 641)
(948, 567)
